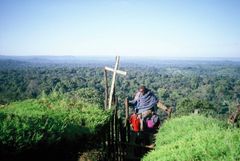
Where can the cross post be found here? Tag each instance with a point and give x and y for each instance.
(115, 71)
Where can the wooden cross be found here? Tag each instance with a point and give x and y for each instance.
(115, 71)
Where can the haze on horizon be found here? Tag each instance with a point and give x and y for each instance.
(128, 28)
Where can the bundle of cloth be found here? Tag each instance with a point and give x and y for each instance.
(146, 102)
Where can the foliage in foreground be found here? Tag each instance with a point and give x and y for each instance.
(49, 120)
(195, 138)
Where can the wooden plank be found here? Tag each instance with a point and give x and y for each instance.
(116, 129)
(113, 82)
(122, 138)
(233, 118)
(117, 71)
(106, 89)
(126, 111)
(126, 119)
(112, 135)
(110, 138)
(161, 106)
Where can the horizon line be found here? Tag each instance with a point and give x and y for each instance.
(140, 56)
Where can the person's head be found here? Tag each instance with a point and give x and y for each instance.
(143, 89)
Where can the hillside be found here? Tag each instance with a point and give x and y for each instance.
(195, 138)
(44, 103)
(49, 120)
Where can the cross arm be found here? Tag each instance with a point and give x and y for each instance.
(117, 71)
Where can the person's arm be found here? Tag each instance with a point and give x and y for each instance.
(136, 97)
(133, 101)
(161, 105)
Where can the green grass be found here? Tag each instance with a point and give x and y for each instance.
(49, 120)
(194, 138)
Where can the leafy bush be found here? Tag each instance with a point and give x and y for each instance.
(88, 95)
(195, 138)
(49, 120)
(187, 106)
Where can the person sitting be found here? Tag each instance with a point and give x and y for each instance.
(144, 103)
(144, 100)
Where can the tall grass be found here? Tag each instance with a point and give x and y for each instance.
(48, 120)
(194, 138)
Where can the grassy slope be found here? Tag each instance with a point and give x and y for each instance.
(196, 138)
(48, 120)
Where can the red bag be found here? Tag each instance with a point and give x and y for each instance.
(135, 121)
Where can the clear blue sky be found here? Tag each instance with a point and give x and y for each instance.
(165, 28)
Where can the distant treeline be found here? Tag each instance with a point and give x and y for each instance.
(211, 87)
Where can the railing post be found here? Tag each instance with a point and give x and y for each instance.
(106, 89)
(127, 126)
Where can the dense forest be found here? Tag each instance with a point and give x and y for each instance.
(209, 86)
(55, 106)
